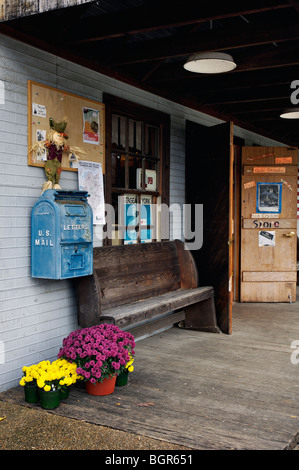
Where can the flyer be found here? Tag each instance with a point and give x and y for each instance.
(90, 177)
(91, 126)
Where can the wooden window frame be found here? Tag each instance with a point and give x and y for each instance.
(160, 120)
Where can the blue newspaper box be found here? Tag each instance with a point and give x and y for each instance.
(61, 235)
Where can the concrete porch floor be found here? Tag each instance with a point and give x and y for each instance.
(204, 390)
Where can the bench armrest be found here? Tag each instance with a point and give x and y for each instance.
(189, 273)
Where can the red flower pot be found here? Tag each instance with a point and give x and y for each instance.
(101, 388)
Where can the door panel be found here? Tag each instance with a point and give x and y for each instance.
(257, 257)
(269, 291)
(209, 180)
(269, 224)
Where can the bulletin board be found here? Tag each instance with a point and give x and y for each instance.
(85, 128)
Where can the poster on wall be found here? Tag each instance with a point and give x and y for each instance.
(90, 178)
(42, 153)
(130, 218)
(146, 219)
(134, 214)
(268, 197)
(91, 125)
(39, 110)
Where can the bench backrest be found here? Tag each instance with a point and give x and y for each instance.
(127, 273)
(133, 272)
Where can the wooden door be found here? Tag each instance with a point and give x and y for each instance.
(209, 181)
(269, 224)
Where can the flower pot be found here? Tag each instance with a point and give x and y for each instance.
(31, 393)
(49, 400)
(64, 393)
(101, 388)
(122, 379)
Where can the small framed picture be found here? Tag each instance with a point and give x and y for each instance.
(268, 197)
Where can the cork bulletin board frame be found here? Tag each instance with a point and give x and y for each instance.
(46, 102)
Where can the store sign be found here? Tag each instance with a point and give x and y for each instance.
(269, 169)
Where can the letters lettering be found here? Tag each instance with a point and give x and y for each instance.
(75, 227)
(265, 224)
(44, 238)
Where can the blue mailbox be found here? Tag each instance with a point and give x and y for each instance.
(61, 235)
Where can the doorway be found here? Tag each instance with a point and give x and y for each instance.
(212, 169)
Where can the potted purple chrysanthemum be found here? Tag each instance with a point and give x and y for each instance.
(101, 353)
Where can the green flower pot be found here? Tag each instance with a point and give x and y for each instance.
(122, 379)
(64, 393)
(49, 400)
(31, 393)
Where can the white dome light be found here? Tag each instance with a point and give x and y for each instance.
(291, 113)
(210, 62)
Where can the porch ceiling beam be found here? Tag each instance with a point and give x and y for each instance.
(262, 117)
(254, 94)
(172, 13)
(226, 87)
(252, 107)
(228, 82)
(295, 4)
(247, 61)
(247, 35)
(242, 100)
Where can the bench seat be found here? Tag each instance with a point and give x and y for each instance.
(143, 310)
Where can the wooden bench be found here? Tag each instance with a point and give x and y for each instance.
(144, 288)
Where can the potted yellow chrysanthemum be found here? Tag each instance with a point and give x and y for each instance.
(52, 380)
(28, 381)
(122, 379)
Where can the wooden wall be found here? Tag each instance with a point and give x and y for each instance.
(10, 9)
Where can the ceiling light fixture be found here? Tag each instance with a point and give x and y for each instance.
(210, 62)
(290, 113)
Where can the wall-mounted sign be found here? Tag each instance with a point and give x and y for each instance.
(266, 155)
(269, 223)
(264, 216)
(283, 160)
(269, 169)
(265, 224)
(250, 184)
